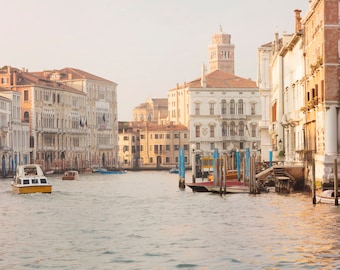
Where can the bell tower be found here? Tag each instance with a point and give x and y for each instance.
(221, 53)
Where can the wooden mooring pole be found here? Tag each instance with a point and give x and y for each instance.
(313, 182)
(336, 200)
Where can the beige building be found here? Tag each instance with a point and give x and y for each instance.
(160, 144)
(100, 122)
(6, 138)
(302, 72)
(53, 112)
(70, 115)
(129, 145)
(152, 110)
(151, 145)
(14, 132)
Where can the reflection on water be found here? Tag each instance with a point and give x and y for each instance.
(141, 220)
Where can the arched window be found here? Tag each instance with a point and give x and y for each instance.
(212, 131)
(240, 106)
(224, 128)
(241, 129)
(26, 117)
(232, 106)
(232, 129)
(223, 106)
(197, 131)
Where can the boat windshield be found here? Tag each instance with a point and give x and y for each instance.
(43, 181)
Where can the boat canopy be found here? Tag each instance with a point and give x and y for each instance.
(32, 169)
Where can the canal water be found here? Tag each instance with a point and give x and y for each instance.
(141, 220)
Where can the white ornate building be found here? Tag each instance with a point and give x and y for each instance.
(221, 110)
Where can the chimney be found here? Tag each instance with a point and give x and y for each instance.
(297, 20)
(203, 80)
(14, 78)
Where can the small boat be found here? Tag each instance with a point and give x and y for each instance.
(30, 178)
(113, 172)
(70, 175)
(99, 170)
(174, 170)
(49, 172)
(209, 186)
(88, 170)
(326, 196)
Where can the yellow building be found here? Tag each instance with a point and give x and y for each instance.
(150, 145)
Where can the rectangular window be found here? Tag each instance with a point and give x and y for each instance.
(212, 131)
(198, 146)
(26, 95)
(211, 109)
(212, 146)
(253, 131)
(253, 111)
(197, 109)
(197, 131)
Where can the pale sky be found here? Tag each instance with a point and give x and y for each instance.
(145, 46)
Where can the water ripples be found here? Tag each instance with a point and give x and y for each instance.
(141, 220)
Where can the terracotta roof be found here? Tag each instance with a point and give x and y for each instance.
(152, 126)
(80, 74)
(170, 127)
(35, 78)
(221, 79)
(3, 89)
(269, 44)
(163, 102)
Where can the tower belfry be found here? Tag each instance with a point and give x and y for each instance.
(221, 53)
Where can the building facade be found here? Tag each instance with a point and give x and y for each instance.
(100, 122)
(151, 145)
(152, 110)
(15, 133)
(221, 110)
(65, 119)
(302, 72)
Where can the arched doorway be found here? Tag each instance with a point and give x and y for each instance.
(159, 161)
